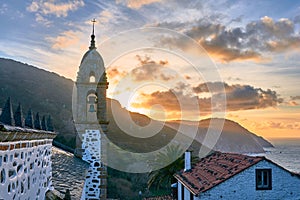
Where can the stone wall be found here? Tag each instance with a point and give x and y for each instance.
(25, 163)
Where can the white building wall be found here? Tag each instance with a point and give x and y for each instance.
(92, 154)
(186, 194)
(243, 186)
(25, 169)
(179, 185)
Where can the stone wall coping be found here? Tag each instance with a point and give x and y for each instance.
(12, 133)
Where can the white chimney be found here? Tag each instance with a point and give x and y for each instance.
(187, 161)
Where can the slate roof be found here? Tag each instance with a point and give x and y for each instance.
(214, 169)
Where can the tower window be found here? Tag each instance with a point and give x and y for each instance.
(92, 77)
(263, 179)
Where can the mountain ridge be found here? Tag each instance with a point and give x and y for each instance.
(49, 93)
(232, 137)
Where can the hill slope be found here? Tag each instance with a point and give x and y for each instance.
(49, 93)
(233, 137)
(44, 92)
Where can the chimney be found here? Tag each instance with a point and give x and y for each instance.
(187, 161)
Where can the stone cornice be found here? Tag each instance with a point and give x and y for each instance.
(12, 133)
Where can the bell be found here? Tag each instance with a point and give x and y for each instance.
(92, 108)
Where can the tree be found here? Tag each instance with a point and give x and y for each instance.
(37, 122)
(49, 124)
(19, 116)
(29, 119)
(7, 114)
(164, 177)
(43, 123)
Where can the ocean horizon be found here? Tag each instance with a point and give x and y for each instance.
(286, 153)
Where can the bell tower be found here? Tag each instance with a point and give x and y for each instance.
(89, 113)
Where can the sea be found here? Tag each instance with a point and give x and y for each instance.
(68, 172)
(286, 152)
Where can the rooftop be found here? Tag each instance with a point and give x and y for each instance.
(13, 133)
(214, 169)
(166, 197)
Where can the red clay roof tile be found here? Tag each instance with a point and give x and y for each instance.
(214, 169)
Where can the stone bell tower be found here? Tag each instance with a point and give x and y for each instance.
(89, 113)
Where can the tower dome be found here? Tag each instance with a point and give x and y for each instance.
(91, 65)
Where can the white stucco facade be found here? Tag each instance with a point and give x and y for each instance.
(242, 186)
(25, 169)
(92, 154)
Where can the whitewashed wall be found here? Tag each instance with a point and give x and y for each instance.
(243, 186)
(25, 169)
(91, 144)
(186, 193)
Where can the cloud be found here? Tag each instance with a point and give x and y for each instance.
(106, 16)
(54, 8)
(39, 18)
(293, 101)
(233, 79)
(149, 69)
(136, 4)
(295, 98)
(3, 8)
(211, 87)
(240, 43)
(283, 125)
(175, 103)
(187, 77)
(64, 40)
(114, 75)
(115, 72)
(241, 97)
(238, 97)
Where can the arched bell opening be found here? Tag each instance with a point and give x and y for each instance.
(91, 106)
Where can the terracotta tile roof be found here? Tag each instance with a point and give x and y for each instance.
(214, 169)
(166, 197)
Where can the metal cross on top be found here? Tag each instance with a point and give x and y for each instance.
(93, 21)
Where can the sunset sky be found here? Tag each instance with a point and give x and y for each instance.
(161, 53)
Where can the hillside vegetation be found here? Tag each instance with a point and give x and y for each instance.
(49, 93)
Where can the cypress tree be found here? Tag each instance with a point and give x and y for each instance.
(37, 122)
(49, 124)
(19, 116)
(43, 123)
(29, 119)
(7, 114)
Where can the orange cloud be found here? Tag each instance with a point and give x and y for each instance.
(114, 74)
(136, 4)
(238, 97)
(149, 69)
(53, 7)
(225, 54)
(293, 103)
(64, 40)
